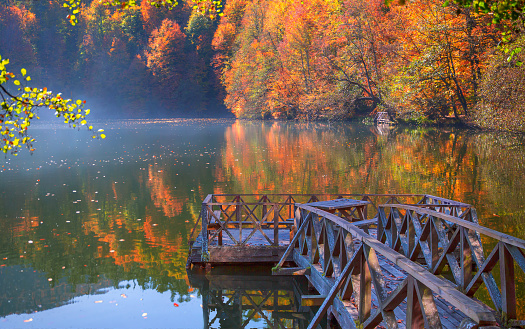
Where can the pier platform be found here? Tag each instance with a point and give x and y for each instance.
(372, 261)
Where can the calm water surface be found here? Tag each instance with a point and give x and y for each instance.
(95, 233)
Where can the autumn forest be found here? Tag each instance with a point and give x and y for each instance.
(421, 61)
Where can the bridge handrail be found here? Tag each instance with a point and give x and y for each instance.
(370, 246)
(508, 239)
(425, 231)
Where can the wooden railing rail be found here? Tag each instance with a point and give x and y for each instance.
(220, 212)
(447, 240)
(348, 260)
(288, 200)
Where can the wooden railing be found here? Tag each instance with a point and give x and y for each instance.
(346, 263)
(286, 202)
(232, 214)
(437, 240)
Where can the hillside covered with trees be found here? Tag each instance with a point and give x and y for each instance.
(140, 61)
(319, 59)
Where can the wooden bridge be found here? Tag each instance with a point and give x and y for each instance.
(386, 261)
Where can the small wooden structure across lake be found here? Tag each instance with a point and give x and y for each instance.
(386, 261)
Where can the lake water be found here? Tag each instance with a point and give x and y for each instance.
(94, 233)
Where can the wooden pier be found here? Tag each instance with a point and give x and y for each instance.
(382, 118)
(385, 261)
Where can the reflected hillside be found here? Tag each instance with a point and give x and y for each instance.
(300, 158)
(321, 158)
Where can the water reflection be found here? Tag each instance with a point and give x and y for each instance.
(78, 217)
(237, 298)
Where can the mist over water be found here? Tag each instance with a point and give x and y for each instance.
(95, 232)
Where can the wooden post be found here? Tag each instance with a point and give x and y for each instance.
(275, 224)
(264, 207)
(381, 216)
(465, 259)
(238, 216)
(204, 233)
(434, 240)
(365, 289)
(508, 285)
(414, 313)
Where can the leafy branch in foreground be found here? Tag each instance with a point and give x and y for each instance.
(19, 108)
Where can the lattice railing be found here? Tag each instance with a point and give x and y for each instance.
(231, 215)
(260, 205)
(349, 257)
(439, 241)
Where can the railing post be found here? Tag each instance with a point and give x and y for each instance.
(433, 243)
(275, 224)
(465, 255)
(365, 289)
(204, 233)
(238, 217)
(264, 207)
(508, 285)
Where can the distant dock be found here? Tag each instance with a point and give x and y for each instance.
(375, 260)
(382, 118)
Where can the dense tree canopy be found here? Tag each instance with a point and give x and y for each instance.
(137, 58)
(320, 59)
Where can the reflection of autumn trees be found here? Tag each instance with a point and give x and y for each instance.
(280, 158)
(121, 231)
(161, 192)
(457, 165)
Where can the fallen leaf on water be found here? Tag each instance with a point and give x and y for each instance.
(28, 320)
(144, 314)
(98, 301)
(175, 304)
(123, 296)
